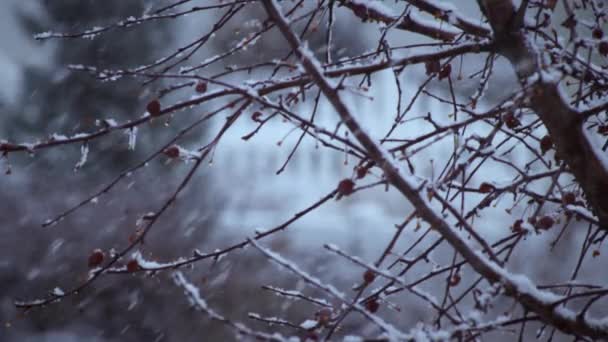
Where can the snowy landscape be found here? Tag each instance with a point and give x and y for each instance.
(341, 170)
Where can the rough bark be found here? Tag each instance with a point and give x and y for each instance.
(564, 123)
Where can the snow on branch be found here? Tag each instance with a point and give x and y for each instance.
(369, 10)
(194, 296)
(392, 332)
(517, 286)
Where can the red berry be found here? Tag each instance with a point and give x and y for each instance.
(568, 198)
(486, 188)
(570, 22)
(546, 143)
(153, 108)
(201, 87)
(256, 116)
(96, 258)
(132, 266)
(602, 48)
(546, 222)
(172, 151)
(597, 33)
(372, 305)
(361, 172)
(595, 253)
(345, 187)
(323, 316)
(510, 120)
(445, 72)
(455, 279)
(369, 276)
(516, 228)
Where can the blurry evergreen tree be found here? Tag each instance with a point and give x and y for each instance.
(58, 100)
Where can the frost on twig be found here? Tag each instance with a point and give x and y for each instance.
(195, 299)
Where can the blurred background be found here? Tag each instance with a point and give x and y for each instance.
(229, 200)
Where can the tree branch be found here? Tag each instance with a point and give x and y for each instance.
(407, 23)
(451, 17)
(515, 286)
(564, 123)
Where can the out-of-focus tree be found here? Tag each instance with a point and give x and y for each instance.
(486, 177)
(56, 99)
